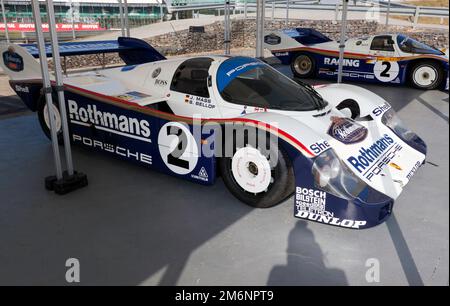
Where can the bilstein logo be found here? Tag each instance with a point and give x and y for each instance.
(367, 156)
(13, 60)
(119, 124)
(346, 131)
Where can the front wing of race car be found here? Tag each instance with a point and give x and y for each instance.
(336, 196)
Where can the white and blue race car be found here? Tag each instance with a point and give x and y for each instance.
(340, 149)
(385, 59)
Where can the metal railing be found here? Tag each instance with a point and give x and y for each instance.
(363, 6)
(422, 11)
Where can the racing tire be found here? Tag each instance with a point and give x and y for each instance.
(44, 119)
(246, 175)
(426, 75)
(303, 66)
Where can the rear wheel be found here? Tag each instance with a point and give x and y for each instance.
(256, 180)
(44, 118)
(426, 75)
(303, 66)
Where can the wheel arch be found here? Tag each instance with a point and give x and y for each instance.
(336, 94)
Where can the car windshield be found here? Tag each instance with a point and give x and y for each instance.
(409, 45)
(265, 87)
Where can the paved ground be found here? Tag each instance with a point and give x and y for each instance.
(133, 226)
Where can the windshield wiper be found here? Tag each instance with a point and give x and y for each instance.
(317, 98)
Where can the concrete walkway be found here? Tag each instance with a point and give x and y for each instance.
(134, 226)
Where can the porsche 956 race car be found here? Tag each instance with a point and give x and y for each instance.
(340, 149)
(386, 58)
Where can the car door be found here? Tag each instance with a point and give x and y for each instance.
(179, 142)
(383, 49)
(189, 91)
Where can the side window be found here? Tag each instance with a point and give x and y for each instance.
(382, 43)
(191, 77)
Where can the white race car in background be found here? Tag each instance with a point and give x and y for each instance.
(340, 149)
(385, 58)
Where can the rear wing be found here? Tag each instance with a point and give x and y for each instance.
(307, 36)
(286, 39)
(132, 51)
(19, 61)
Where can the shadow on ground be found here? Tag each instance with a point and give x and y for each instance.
(123, 230)
(305, 264)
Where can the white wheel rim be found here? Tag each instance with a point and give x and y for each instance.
(425, 75)
(303, 64)
(251, 170)
(57, 117)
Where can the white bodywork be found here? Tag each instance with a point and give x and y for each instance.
(359, 45)
(150, 83)
(303, 126)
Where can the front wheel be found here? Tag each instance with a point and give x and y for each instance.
(44, 118)
(426, 75)
(303, 66)
(258, 179)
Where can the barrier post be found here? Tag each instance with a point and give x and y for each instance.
(62, 182)
(287, 12)
(227, 28)
(342, 39)
(260, 16)
(5, 22)
(125, 12)
(122, 23)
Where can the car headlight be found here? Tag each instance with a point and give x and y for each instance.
(333, 176)
(391, 120)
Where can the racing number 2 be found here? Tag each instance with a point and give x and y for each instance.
(174, 157)
(177, 147)
(387, 66)
(386, 71)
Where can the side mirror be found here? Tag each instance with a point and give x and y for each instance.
(209, 81)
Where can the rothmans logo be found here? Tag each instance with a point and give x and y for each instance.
(367, 156)
(119, 124)
(13, 60)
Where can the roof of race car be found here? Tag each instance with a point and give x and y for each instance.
(126, 81)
